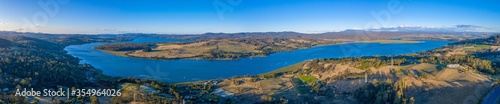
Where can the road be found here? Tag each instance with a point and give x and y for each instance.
(492, 96)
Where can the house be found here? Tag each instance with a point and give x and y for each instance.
(453, 65)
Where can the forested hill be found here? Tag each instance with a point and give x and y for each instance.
(41, 63)
(34, 43)
(492, 40)
(37, 63)
(4, 43)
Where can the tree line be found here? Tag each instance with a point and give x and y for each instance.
(126, 46)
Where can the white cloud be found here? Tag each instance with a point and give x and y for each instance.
(111, 31)
(452, 28)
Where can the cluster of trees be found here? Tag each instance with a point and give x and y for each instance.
(4, 43)
(218, 54)
(148, 97)
(384, 92)
(34, 43)
(492, 40)
(358, 62)
(39, 64)
(272, 45)
(126, 46)
(268, 45)
(35, 63)
(82, 39)
(176, 93)
(469, 60)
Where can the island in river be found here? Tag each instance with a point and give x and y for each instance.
(221, 49)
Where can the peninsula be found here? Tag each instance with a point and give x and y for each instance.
(215, 49)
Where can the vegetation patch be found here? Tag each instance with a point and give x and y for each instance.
(217, 49)
(477, 47)
(308, 79)
(290, 68)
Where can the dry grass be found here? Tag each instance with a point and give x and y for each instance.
(290, 68)
(166, 50)
(439, 84)
(300, 40)
(252, 91)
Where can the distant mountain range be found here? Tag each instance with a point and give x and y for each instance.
(454, 29)
(404, 31)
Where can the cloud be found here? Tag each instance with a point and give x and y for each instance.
(110, 31)
(105, 30)
(472, 28)
(452, 28)
(467, 26)
(19, 29)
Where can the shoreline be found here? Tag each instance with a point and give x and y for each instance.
(392, 41)
(124, 53)
(270, 71)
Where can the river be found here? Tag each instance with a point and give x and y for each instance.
(191, 70)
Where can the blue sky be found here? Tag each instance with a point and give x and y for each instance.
(201, 16)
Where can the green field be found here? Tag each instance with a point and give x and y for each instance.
(290, 68)
(308, 79)
(477, 47)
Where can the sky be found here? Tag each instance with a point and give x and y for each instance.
(231, 16)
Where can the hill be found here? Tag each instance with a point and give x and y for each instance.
(34, 43)
(217, 49)
(492, 40)
(4, 43)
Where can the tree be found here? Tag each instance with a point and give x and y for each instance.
(94, 100)
(266, 98)
(146, 50)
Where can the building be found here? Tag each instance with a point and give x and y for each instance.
(453, 65)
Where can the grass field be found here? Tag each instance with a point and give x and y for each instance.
(477, 47)
(308, 79)
(290, 68)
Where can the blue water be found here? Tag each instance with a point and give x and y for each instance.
(190, 70)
